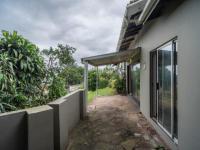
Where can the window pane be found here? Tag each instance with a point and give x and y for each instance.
(136, 80)
(164, 79)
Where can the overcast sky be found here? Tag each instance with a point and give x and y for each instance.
(91, 26)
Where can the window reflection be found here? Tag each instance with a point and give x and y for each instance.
(164, 79)
(135, 77)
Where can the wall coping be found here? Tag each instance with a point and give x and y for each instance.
(64, 98)
(12, 112)
(42, 107)
(38, 109)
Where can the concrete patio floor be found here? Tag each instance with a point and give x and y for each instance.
(114, 123)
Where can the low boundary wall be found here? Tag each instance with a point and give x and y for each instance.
(44, 127)
(67, 113)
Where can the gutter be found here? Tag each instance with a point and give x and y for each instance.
(148, 9)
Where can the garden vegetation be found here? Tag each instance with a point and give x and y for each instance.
(110, 76)
(31, 77)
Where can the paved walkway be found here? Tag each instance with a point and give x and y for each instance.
(114, 123)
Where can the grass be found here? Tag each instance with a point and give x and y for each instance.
(101, 92)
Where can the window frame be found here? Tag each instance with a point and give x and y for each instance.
(174, 80)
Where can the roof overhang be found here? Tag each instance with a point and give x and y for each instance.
(129, 28)
(136, 14)
(132, 56)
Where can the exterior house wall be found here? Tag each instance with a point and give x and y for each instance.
(179, 19)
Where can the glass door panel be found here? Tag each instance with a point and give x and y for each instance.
(164, 74)
(163, 88)
(135, 74)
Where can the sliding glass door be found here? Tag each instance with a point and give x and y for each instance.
(164, 80)
(163, 76)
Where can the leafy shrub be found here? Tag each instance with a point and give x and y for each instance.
(73, 75)
(57, 88)
(5, 100)
(112, 83)
(60, 63)
(103, 79)
(119, 85)
(21, 71)
(25, 78)
(92, 76)
(107, 78)
(103, 83)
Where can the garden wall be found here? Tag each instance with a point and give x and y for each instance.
(67, 113)
(13, 131)
(42, 128)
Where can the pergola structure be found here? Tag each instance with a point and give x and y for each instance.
(132, 56)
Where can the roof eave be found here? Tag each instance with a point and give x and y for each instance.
(145, 8)
(113, 58)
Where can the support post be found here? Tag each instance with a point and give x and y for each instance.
(126, 76)
(85, 87)
(97, 80)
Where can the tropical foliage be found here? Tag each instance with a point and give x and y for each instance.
(119, 84)
(29, 77)
(21, 71)
(57, 88)
(57, 60)
(72, 74)
(107, 77)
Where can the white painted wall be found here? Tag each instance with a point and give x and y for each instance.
(180, 19)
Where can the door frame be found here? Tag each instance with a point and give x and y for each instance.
(173, 89)
(152, 84)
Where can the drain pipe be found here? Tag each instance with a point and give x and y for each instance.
(148, 9)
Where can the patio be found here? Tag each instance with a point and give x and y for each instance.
(114, 123)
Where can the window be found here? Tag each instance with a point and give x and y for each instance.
(135, 75)
(163, 87)
(133, 80)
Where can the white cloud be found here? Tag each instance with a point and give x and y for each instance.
(91, 26)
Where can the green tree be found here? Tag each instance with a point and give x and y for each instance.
(120, 84)
(105, 77)
(21, 71)
(92, 76)
(73, 75)
(57, 88)
(26, 73)
(57, 61)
